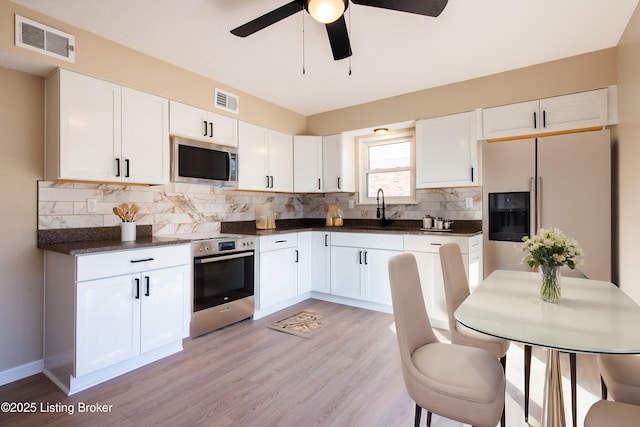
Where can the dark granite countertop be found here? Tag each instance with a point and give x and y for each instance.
(460, 228)
(79, 241)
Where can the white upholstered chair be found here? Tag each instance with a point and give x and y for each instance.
(462, 383)
(605, 413)
(620, 374)
(456, 290)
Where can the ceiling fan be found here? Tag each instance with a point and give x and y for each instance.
(331, 13)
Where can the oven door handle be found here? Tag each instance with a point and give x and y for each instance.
(222, 258)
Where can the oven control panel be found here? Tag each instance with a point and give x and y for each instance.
(222, 244)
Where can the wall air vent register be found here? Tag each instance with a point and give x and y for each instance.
(227, 101)
(41, 38)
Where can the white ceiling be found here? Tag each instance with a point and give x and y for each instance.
(393, 52)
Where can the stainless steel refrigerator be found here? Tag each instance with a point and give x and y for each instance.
(561, 181)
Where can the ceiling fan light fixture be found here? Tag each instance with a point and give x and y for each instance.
(326, 11)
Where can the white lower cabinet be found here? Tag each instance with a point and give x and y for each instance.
(109, 313)
(321, 261)
(353, 269)
(284, 267)
(426, 249)
(359, 265)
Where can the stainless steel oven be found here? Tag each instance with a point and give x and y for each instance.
(223, 282)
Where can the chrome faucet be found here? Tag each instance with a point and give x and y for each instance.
(384, 221)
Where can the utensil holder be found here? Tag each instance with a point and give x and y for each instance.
(128, 231)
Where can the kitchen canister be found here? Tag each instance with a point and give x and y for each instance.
(427, 222)
(128, 231)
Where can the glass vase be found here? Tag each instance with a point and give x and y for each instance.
(550, 286)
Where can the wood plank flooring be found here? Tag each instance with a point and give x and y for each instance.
(348, 374)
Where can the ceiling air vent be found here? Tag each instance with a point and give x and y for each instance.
(227, 101)
(41, 38)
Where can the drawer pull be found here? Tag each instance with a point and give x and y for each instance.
(281, 241)
(133, 261)
(436, 244)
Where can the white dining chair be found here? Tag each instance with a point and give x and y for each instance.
(605, 413)
(464, 384)
(620, 377)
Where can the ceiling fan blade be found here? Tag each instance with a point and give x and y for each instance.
(339, 39)
(419, 7)
(269, 18)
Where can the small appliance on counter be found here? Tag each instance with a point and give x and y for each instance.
(436, 224)
(265, 218)
(334, 217)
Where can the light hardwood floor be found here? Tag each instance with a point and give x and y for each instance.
(248, 375)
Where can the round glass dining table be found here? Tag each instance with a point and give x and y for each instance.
(591, 317)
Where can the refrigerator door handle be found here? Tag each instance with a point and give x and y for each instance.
(538, 203)
(532, 205)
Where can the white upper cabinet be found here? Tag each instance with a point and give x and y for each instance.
(561, 113)
(145, 137)
(265, 159)
(307, 164)
(338, 164)
(447, 151)
(100, 131)
(202, 125)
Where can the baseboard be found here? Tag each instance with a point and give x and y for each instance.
(20, 372)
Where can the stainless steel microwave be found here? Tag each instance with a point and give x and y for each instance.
(203, 163)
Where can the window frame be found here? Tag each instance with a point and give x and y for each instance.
(364, 142)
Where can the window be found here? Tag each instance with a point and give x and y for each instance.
(388, 162)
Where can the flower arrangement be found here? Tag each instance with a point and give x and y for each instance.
(550, 249)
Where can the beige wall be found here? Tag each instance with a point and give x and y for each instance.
(107, 60)
(629, 157)
(21, 263)
(575, 74)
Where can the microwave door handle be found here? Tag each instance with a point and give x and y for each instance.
(223, 258)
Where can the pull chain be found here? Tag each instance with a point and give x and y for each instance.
(350, 42)
(303, 53)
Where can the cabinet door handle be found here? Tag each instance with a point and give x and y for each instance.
(535, 120)
(267, 181)
(147, 293)
(137, 288)
(118, 166)
(140, 260)
(211, 129)
(471, 174)
(326, 242)
(271, 181)
(318, 183)
(126, 163)
(339, 183)
(205, 127)
(360, 257)
(297, 255)
(544, 119)
(366, 260)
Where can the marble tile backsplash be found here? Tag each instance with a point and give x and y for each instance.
(186, 208)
